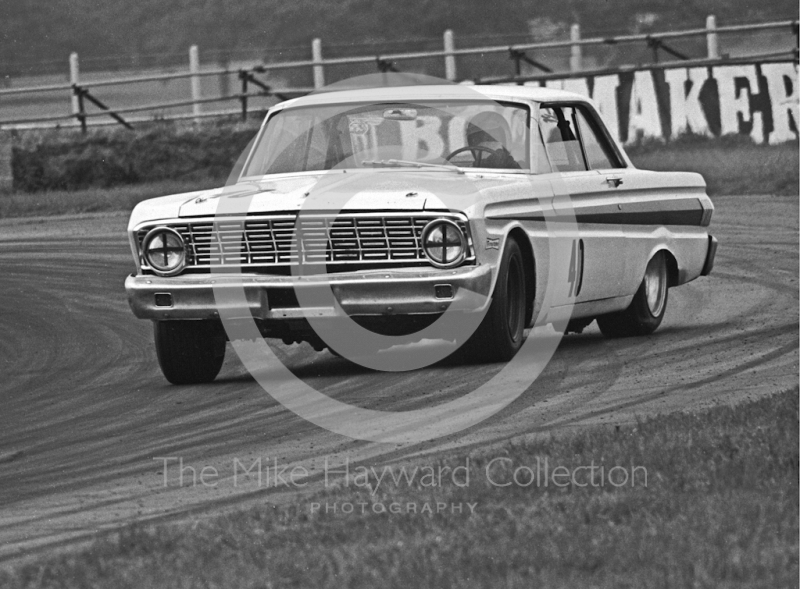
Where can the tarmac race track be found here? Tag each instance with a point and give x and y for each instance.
(84, 409)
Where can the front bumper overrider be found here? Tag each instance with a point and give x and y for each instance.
(406, 291)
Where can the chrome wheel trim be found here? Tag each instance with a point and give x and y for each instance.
(655, 284)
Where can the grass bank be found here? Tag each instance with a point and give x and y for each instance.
(56, 160)
(717, 507)
(730, 165)
(93, 200)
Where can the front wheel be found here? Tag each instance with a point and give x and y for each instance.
(189, 352)
(501, 333)
(647, 308)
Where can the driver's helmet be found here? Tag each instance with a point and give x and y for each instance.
(488, 126)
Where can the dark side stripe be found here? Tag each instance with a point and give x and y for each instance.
(666, 212)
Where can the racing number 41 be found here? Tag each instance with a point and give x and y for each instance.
(575, 275)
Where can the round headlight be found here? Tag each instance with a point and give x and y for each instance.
(164, 251)
(444, 243)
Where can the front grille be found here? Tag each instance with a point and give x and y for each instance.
(363, 240)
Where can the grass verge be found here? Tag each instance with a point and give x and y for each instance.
(719, 509)
(93, 200)
(730, 165)
(61, 160)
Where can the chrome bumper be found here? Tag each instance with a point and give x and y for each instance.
(409, 291)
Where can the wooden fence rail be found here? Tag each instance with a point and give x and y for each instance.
(81, 91)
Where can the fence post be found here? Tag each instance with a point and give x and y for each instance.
(316, 57)
(576, 52)
(449, 58)
(711, 37)
(194, 68)
(74, 80)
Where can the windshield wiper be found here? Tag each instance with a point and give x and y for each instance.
(409, 164)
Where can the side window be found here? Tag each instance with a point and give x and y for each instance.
(598, 152)
(560, 136)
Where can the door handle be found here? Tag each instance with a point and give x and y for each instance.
(613, 181)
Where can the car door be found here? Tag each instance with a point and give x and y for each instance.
(650, 208)
(588, 170)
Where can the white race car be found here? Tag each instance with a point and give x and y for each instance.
(507, 203)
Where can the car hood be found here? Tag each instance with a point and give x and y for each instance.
(317, 193)
(374, 191)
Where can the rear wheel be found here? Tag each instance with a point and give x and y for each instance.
(647, 309)
(189, 352)
(501, 333)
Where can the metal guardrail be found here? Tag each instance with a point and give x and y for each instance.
(385, 62)
(120, 111)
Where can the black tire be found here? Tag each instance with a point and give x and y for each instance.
(501, 333)
(189, 352)
(645, 312)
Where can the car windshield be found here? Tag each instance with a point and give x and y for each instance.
(431, 135)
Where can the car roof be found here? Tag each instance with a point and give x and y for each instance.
(434, 92)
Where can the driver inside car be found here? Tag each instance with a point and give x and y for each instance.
(487, 135)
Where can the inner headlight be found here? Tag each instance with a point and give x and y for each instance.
(444, 243)
(164, 251)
